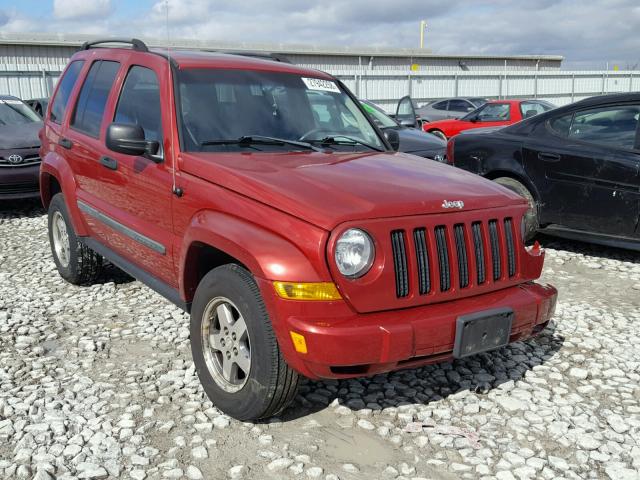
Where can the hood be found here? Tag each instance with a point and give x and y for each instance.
(414, 140)
(326, 189)
(20, 136)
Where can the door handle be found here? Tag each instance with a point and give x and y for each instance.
(108, 162)
(65, 143)
(549, 157)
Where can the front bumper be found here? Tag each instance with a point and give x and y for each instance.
(342, 344)
(19, 182)
(439, 155)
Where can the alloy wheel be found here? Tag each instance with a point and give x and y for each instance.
(61, 243)
(226, 345)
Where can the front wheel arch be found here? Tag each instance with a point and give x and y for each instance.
(532, 215)
(438, 133)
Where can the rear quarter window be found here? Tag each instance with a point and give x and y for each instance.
(67, 82)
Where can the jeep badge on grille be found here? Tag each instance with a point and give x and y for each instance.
(453, 204)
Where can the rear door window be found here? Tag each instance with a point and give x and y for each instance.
(139, 102)
(612, 126)
(460, 106)
(89, 110)
(440, 105)
(67, 82)
(531, 109)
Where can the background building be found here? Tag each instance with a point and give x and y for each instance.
(31, 63)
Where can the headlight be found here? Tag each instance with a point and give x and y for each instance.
(354, 253)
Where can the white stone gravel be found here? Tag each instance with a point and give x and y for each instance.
(97, 382)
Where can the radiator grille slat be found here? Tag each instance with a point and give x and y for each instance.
(400, 263)
(495, 249)
(478, 246)
(443, 258)
(477, 252)
(424, 280)
(511, 252)
(461, 250)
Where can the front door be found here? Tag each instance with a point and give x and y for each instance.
(492, 114)
(406, 113)
(586, 166)
(141, 192)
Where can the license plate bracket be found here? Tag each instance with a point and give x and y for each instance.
(482, 331)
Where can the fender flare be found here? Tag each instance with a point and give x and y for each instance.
(53, 165)
(264, 253)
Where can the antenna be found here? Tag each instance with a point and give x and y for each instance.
(174, 160)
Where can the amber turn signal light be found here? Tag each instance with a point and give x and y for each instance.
(299, 343)
(326, 291)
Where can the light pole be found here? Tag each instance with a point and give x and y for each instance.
(423, 27)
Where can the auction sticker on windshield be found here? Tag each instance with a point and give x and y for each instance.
(320, 84)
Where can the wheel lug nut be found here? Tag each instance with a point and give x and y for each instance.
(235, 351)
(233, 335)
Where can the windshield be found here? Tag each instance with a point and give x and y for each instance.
(379, 117)
(14, 112)
(223, 110)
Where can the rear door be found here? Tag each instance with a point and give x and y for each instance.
(586, 166)
(82, 137)
(436, 111)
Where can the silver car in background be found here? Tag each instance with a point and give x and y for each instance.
(439, 109)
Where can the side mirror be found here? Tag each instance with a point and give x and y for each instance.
(470, 109)
(129, 139)
(405, 122)
(473, 119)
(393, 138)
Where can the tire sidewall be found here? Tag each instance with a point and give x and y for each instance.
(70, 272)
(531, 216)
(438, 133)
(253, 398)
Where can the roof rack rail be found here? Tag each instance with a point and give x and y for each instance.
(277, 57)
(134, 42)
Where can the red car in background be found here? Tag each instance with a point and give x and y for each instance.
(494, 113)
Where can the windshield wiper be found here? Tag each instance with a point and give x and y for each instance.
(333, 140)
(260, 140)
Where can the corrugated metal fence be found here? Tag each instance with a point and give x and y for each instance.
(558, 87)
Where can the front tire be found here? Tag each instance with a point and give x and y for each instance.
(234, 347)
(439, 134)
(531, 216)
(76, 262)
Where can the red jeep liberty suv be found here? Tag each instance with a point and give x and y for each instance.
(259, 197)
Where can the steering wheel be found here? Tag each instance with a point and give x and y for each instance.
(311, 132)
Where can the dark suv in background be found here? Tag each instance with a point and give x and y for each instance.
(19, 144)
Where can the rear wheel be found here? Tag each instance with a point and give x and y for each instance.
(76, 262)
(439, 133)
(234, 347)
(531, 216)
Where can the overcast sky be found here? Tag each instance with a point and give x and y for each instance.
(587, 33)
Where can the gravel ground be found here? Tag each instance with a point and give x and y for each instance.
(97, 382)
